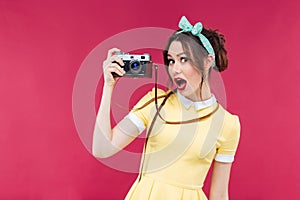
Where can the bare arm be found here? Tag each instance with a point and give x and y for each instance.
(220, 180)
(107, 141)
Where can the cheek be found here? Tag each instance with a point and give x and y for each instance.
(195, 81)
(194, 77)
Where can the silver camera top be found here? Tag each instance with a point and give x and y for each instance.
(141, 57)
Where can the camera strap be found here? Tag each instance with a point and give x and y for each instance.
(150, 130)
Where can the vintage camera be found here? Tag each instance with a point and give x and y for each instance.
(136, 65)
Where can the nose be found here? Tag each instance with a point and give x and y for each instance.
(176, 67)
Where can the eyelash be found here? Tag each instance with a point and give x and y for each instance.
(182, 59)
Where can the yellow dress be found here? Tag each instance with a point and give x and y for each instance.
(178, 157)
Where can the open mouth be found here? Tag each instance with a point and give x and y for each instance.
(180, 83)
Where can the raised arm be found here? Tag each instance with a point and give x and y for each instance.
(108, 141)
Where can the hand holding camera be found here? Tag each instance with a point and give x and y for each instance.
(112, 64)
(120, 64)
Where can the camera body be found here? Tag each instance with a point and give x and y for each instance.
(136, 65)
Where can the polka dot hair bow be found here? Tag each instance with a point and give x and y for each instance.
(186, 26)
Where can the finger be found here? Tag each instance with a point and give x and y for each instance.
(115, 65)
(118, 67)
(115, 69)
(117, 59)
(112, 51)
(108, 63)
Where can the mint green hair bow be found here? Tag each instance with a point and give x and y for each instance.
(186, 26)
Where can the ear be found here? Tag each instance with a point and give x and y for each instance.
(209, 61)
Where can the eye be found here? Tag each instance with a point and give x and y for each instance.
(171, 61)
(183, 59)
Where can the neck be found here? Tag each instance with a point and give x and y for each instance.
(205, 92)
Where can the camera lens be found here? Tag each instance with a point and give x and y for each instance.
(135, 65)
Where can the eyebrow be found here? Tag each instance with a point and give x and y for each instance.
(178, 54)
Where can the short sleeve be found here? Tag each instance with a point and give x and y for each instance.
(140, 115)
(228, 141)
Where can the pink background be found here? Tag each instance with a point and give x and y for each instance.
(43, 43)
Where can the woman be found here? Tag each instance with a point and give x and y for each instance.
(187, 129)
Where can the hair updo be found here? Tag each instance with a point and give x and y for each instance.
(217, 41)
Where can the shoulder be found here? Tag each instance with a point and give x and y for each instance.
(160, 92)
(228, 116)
(231, 122)
(149, 98)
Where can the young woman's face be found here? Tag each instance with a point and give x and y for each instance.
(185, 76)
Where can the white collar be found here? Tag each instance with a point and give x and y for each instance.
(198, 104)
